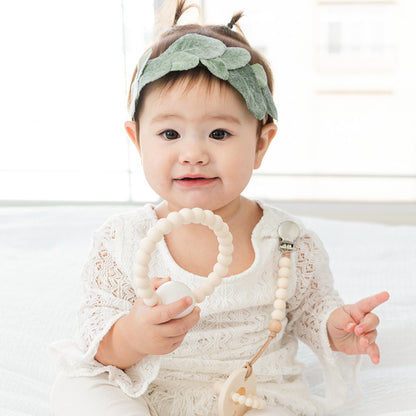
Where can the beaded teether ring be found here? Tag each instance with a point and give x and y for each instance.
(145, 290)
(238, 393)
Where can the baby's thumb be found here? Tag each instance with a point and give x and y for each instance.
(156, 282)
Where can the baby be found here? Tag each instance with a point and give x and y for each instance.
(202, 119)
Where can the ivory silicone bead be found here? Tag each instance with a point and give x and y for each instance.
(220, 269)
(140, 269)
(284, 262)
(225, 241)
(187, 215)
(279, 304)
(281, 293)
(154, 300)
(175, 218)
(155, 235)
(284, 272)
(275, 326)
(146, 292)
(242, 399)
(147, 245)
(249, 402)
(210, 219)
(142, 258)
(164, 226)
(226, 250)
(262, 404)
(142, 283)
(278, 314)
(207, 288)
(218, 224)
(255, 403)
(283, 282)
(235, 397)
(199, 215)
(199, 295)
(224, 259)
(214, 279)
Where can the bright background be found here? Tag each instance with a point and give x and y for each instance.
(345, 92)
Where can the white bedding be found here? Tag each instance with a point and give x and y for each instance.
(42, 250)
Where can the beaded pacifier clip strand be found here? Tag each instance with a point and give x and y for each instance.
(238, 393)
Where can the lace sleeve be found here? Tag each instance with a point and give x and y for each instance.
(108, 295)
(308, 311)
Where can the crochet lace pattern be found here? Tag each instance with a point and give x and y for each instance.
(233, 325)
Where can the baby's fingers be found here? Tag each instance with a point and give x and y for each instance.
(367, 324)
(374, 353)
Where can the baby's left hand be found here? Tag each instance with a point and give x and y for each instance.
(352, 328)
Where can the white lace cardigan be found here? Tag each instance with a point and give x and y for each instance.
(233, 325)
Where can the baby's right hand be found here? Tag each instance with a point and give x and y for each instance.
(153, 329)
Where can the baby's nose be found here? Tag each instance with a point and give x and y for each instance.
(194, 154)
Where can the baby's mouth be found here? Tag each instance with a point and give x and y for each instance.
(188, 181)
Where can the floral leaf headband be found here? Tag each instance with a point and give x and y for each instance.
(230, 64)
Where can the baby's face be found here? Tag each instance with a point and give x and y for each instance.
(197, 144)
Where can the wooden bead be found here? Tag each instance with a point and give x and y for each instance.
(275, 326)
(284, 262)
(279, 304)
(284, 272)
(278, 314)
(283, 282)
(281, 293)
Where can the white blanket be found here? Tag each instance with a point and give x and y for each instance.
(42, 250)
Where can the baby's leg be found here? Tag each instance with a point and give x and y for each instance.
(82, 396)
(271, 411)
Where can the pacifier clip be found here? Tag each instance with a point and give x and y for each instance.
(237, 394)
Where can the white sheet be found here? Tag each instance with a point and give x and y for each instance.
(43, 249)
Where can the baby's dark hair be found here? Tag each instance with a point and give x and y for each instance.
(224, 33)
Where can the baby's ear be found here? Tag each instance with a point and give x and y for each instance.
(131, 130)
(267, 134)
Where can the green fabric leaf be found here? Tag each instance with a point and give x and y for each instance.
(270, 106)
(245, 82)
(182, 61)
(235, 57)
(203, 47)
(260, 74)
(217, 67)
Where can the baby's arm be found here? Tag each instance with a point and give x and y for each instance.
(146, 330)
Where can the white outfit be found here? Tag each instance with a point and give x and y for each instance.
(233, 325)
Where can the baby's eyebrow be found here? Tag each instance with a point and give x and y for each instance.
(212, 117)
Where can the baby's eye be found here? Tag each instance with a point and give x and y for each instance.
(170, 134)
(219, 134)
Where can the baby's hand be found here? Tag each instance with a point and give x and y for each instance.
(154, 331)
(352, 328)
